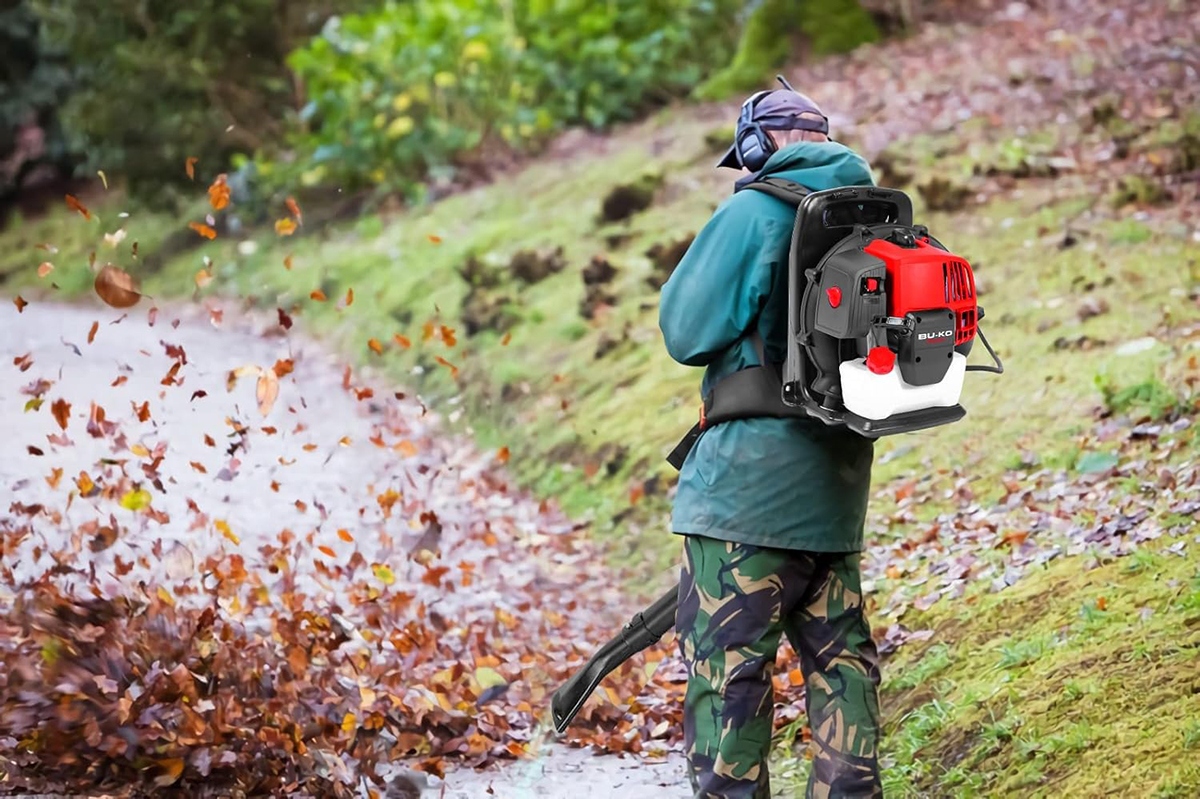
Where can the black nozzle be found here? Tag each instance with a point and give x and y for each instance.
(644, 629)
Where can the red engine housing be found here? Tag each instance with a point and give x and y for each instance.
(925, 278)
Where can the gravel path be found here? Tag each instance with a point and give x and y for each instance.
(318, 472)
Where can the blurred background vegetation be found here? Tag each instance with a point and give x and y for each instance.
(375, 96)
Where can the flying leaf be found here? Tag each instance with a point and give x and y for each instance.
(238, 373)
(317, 295)
(203, 278)
(402, 341)
(453, 369)
(223, 528)
(218, 193)
(507, 338)
(62, 412)
(74, 204)
(384, 574)
(434, 238)
(55, 475)
(285, 227)
(349, 297)
(345, 535)
(136, 500)
(285, 321)
(324, 550)
(92, 332)
(103, 178)
(85, 485)
(503, 454)
(375, 346)
(267, 391)
(116, 287)
(199, 467)
(448, 336)
(407, 448)
(189, 167)
(45, 268)
(287, 262)
(203, 230)
(283, 367)
(113, 239)
(19, 301)
(294, 209)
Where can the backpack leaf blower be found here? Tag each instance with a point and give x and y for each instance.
(881, 318)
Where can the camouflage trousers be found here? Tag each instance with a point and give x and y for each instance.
(735, 602)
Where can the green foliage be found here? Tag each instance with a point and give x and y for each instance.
(158, 82)
(404, 92)
(1150, 398)
(33, 81)
(826, 27)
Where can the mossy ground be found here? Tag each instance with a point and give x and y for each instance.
(1074, 682)
(1029, 692)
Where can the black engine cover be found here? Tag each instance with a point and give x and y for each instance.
(924, 354)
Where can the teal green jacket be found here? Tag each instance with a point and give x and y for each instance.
(786, 483)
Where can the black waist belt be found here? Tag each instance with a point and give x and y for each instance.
(754, 392)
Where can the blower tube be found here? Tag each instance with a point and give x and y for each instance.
(644, 629)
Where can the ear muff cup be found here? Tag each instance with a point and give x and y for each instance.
(754, 145)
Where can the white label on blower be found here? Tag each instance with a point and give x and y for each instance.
(873, 396)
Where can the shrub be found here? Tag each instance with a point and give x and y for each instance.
(403, 92)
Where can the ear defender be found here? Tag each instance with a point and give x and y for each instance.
(753, 144)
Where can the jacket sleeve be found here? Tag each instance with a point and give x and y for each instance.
(719, 286)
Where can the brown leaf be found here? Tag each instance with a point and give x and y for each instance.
(317, 295)
(294, 209)
(267, 391)
(287, 262)
(74, 204)
(204, 230)
(375, 346)
(189, 167)
(116, 287)
(448, 336)
(349, 297)
(503, 454)
(92, 332)
(218, 193)
(142, 411)
(285, 321)
(453, 369)
(19, 301)
(283, 367)
(507, 338)
(434, 238)
(62, 412)
(402, 341)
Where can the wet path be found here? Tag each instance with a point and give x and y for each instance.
(336, 470)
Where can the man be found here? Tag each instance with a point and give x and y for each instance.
(771, 510)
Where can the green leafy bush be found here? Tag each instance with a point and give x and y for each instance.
(404, 92)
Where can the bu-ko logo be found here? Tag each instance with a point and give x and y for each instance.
(935, 336)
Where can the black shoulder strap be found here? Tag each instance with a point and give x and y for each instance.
(789, 191)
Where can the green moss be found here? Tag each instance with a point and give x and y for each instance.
(767, 40)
